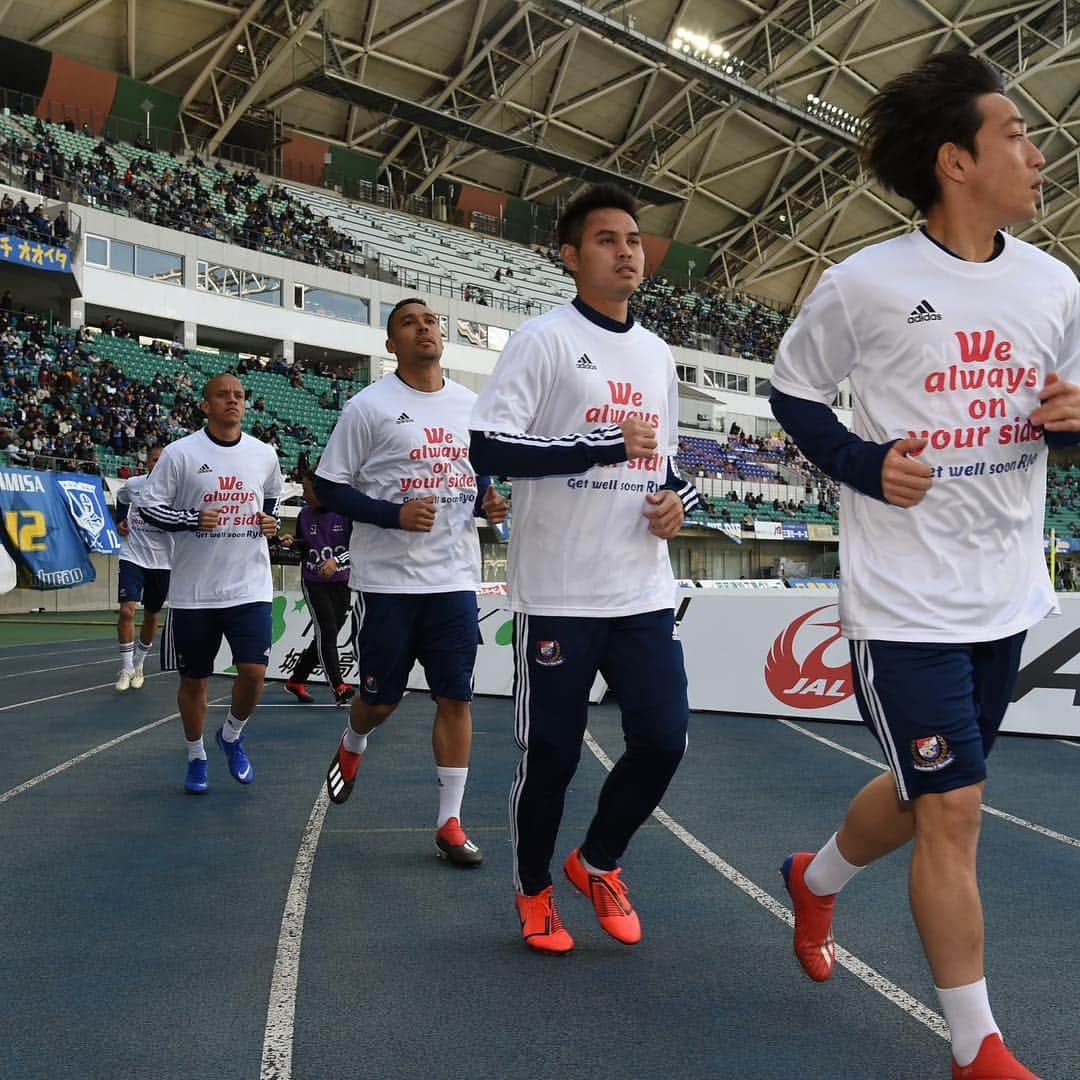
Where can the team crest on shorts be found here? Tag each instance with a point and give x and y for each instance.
(371, 684)
(931, 753)
(548, 653)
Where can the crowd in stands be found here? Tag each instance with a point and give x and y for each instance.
(234, 206)
(190, 196)
(62, 404)
(18, 219)
(709, 322)
(1063, 489)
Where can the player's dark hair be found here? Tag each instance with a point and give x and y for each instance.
(397, 307)
(601, 197)
(910, 118)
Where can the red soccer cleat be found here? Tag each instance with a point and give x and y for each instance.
(993, 1062)
(814, 944)
(541, 926)
(341, 776)
(454, 846)
(609, 899)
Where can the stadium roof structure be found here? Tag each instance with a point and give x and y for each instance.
(733, 120)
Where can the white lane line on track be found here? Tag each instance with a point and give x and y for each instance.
(65, 667)
(1033, 826)
(56, 769)
(109, 643)
(281, 1007)
(69, 693)
(874, 979)
(281, 1003)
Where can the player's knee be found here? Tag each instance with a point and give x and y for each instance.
(663, 752)
(364, 717)
(251, 675)
(127, 609)
(556, 761)
(949, 818)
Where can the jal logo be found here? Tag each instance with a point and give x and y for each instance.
(796, 671)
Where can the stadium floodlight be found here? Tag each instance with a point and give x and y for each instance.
(833, 114)
(706, 49)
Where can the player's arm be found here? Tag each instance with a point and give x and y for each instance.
(172, 519)
(489, 503)
(346, 450)
(501, 439)
(835, 450)
(356, 506)
(506, 453)
(683, 488)
(817, 353)
(1058, 413)
(157, 499)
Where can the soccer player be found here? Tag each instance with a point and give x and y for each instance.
(397, 464)
(145, 554)
(323, 538)
(217, 491)
(960, 343)
(582, 411)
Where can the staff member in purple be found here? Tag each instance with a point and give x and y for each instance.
(322, 537)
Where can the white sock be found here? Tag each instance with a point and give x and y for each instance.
(354, 742)
(195, 749)
(967, 1012)
(451, 792)
(142, 652)
(127, 655)
(829, 871)
(232, 729)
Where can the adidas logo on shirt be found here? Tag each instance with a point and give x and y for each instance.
(585, 364)
(205, 468)
(924, 312)
(404, 418)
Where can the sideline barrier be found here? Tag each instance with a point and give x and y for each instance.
(769, 652)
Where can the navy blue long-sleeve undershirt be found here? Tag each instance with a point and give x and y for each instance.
(535, 456)
(169, 519)
(356, 506)
(843, 455)
(837, 452)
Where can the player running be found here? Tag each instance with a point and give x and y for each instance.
(145, 555)
(582, 411)
(397, 464)
(217, 491)
(960, 342)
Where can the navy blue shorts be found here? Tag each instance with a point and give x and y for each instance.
(135, 583)
(391, 631)
(935, 709)
(557, 658)
(193, 636)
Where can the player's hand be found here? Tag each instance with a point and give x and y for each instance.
(418, 515)
(329, 568)
(286, 541)
(1060, 408)
(904, 481)
(208, 520)
(495, 506)
(639, 437)
(123, 528)
(268, 525)
(665, 513)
